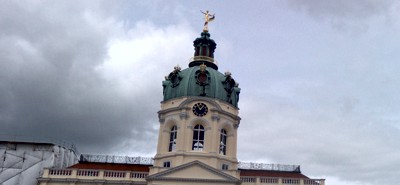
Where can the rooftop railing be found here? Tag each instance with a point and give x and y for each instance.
(116, 159)
(272, 167)
(150, 161)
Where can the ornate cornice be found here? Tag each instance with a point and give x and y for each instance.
(183, 106)
(205, 99)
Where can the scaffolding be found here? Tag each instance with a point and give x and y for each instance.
(21, 163)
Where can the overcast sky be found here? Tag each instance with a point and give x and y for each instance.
(320, 81)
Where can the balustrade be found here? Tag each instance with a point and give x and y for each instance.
(100, 174)
(248, 179)
(78, 173)
(138, 175)
(269, 180)
(88, 173)
(314, 181)
(60, 172)
(290, 181)
(281, 181)
(115, 174)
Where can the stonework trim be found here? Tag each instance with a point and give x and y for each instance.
(227, 125)
(171, 110)
(169, 123)
(182, 106)
(201, 121)
(192, 180)
(159, 176)
(204, 99)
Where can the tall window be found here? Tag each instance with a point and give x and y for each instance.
(222, 144)
(172, 138)
(198, 138)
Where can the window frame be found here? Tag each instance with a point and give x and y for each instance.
(167, 164)
(173, 135)
(222, 142)
(198, 138)
(225, 167)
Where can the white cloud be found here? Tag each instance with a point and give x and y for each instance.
(141, 56)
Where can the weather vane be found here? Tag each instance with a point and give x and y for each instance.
(208, 18)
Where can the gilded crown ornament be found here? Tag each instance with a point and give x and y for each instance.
(203, 67)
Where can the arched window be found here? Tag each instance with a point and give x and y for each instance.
(172, 138)
(198, 138)
(222, 144)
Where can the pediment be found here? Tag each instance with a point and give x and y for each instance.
(194, 171)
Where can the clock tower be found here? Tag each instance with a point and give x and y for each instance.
(199, 118)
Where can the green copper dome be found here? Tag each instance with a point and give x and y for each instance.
(202, 77)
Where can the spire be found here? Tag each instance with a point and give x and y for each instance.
(204, 47)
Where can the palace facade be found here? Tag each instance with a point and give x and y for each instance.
(197, 141)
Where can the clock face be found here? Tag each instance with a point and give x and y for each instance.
(200, 109)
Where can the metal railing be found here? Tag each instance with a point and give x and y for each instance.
(150, 161)
(116, 159)
(272, 167)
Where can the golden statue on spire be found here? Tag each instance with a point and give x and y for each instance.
(208, 18)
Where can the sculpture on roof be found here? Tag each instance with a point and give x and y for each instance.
(208, 18)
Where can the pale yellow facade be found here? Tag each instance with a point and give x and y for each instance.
(103, 177)
(187, 166)
(90, 176)
(178, 112)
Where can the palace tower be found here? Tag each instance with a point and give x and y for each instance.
(199, 115)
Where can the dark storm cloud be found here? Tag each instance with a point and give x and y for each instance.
(48, 84)
(86, 72)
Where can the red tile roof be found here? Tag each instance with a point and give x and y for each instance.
(112, 166)
(269, 173)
